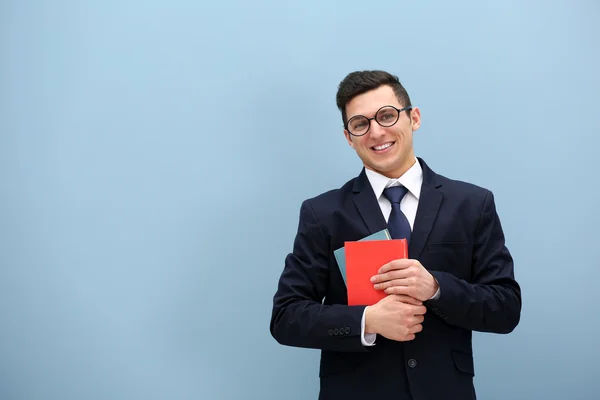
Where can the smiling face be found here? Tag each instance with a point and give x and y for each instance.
(386, 150)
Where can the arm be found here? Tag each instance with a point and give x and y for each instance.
(299, 318)
(492, 302)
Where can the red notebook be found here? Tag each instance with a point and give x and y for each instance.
(363, 260)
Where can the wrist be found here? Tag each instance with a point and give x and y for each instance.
(370, 320)
(435, 285)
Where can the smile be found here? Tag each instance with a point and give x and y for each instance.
(383, 146)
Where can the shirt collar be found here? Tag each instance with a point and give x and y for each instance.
(412, 180)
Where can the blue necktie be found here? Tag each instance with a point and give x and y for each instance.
(397, 223)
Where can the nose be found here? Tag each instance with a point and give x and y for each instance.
(375, 129)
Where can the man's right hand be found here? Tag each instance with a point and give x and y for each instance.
(396, 317)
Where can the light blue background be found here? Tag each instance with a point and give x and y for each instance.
(154, 156)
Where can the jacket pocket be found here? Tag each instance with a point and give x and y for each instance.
(464, 362)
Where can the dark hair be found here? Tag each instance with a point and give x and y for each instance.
(359, 82)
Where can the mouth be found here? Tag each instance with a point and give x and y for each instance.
(382, 148)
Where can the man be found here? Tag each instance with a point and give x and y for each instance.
(415, 343)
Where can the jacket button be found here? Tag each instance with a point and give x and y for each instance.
(347, 330)
(330, 332)
(412, 363)
(336, 331)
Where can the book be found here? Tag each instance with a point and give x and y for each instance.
(340, 254)
(363, 260)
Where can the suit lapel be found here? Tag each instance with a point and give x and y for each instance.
(367, 204)
(429, 205)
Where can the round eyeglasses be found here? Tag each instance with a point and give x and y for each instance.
(386, 116)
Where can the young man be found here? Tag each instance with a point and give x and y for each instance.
(415, 343)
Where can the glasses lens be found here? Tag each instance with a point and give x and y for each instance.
(387, 116)
(358, 125)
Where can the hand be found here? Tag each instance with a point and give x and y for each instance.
(395, 317)
(407, 277)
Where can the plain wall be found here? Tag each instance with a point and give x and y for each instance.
(154, 155)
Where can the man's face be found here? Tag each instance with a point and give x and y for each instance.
(387, 150)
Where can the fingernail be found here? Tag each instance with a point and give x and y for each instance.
(373, 279)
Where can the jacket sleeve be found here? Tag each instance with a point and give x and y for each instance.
(491, 301)
(299, 317)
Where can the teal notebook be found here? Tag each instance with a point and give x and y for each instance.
(340, 254)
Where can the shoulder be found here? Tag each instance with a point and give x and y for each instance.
(454, 186)
(320, 214)
(463, 188)
(460, 196)
(331, 200)
(468, 200)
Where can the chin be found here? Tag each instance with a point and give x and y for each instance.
(387, 168)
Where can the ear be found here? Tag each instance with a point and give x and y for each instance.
(415, 118)
(348, 138)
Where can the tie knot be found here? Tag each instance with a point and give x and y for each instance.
(395, 193)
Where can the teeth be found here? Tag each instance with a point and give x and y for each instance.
(383, 146)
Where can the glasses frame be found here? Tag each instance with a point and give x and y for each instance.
(399, 110)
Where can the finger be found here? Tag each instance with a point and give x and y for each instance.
(405, 290)
(388, 276)
(416, 328)
(409, 337)
(420, 310)
(394, 282)
(405, 299)
(400, 263)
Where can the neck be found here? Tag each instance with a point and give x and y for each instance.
(397, 173)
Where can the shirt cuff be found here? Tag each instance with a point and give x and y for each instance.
(436, 295)
(367, 339)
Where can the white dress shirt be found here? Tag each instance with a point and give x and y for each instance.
(411, 180)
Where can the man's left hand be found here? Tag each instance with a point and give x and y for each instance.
(406, 276)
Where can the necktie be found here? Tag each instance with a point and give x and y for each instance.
(397, 223)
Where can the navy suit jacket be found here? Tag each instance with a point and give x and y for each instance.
(457, 236)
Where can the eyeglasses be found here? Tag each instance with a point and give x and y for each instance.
(386, 116)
